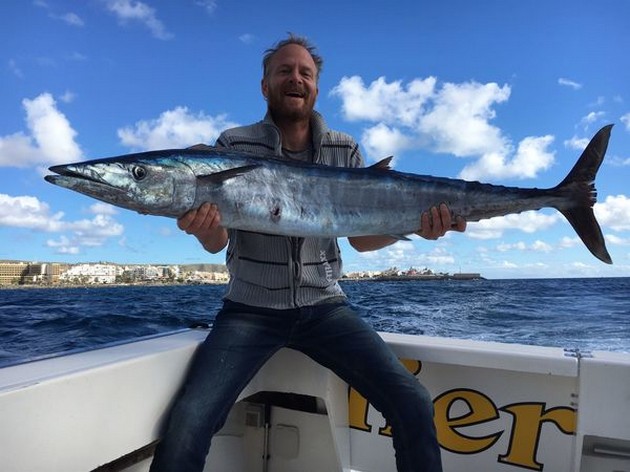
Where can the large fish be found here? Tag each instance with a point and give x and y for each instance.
(269, 195)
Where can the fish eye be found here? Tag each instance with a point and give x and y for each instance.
(138, 172)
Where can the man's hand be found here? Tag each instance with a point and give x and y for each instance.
(205, 224)
(437, 221)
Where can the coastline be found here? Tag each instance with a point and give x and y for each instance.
(381, 278)
(403, 278)
(106, 285)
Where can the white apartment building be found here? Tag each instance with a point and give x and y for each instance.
(91, 274)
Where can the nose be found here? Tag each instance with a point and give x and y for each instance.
(295, 76)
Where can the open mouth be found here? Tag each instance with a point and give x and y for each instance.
(82, 180)
(74, 173)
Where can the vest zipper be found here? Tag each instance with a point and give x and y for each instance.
(295, 262)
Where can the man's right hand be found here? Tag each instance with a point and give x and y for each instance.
(205, 224)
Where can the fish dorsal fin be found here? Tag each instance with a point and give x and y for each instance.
(200, 147)
(383, 164)
(220, 177)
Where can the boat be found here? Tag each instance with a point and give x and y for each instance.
(498, 407)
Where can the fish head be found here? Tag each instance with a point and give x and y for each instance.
(149, 183)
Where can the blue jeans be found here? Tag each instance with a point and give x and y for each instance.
(243, 338)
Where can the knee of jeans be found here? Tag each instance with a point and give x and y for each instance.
(187, 424)
(418, 401)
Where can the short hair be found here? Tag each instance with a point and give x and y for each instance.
(292, 39)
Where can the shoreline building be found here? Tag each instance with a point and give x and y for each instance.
(20, 273)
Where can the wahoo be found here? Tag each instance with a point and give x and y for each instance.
(269, 195)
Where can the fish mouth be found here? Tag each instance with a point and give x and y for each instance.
(73, 172)
(83, 180)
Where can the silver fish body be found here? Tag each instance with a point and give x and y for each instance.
(269, 195)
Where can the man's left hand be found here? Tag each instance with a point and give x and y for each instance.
(437, 221)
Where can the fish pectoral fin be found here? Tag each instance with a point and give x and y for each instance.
(400, 237)
(220, 177)
(383, 164)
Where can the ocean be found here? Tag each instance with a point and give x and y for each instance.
(586, 314)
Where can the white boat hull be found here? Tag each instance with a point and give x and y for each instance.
(499, 407)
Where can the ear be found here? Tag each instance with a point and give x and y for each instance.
(264, 88)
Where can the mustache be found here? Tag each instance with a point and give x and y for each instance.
(295, 91)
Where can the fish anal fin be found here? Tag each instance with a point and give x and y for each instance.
(585, 225)
(399, 237)
(220, 177)
(383, 164)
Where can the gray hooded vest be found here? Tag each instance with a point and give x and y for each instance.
(277, 271)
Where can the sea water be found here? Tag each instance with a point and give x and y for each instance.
(586, 314)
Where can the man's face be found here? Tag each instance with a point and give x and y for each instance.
(291, 83)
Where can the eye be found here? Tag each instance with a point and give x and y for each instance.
(138, 172)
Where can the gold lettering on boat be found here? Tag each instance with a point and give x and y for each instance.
(528, 419)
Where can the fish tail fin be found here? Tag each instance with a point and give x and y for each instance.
(579, 184)
(586, 226)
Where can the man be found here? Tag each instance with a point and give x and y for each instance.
(283, 291)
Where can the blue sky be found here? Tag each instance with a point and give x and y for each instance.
(500, 91)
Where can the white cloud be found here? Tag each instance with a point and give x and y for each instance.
(625, 119)
(567, 242)
(29, 212)
(614, 239)
(531, 157)
(382, 140)
(247, 38)
(15, 69)
(569, 83)
(452, 118)
(536, 246)
(581, 266)
(101, 208)
(599, 101)
(541, 246)
(68, 97)
(70, 18)
(63, 246)
(438, 256)
(614, 212)
(618, 161)
(209, 5)
(76, 56)
(382, 101)
(130, 10)
(177, 128)
(528, 222)
(399, 252)
(94, 231)
(504, 247)
(406, 254)
(459, 119)
(579, 144)
(591, 118)
(50, 140)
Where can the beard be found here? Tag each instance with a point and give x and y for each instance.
(285, 107)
